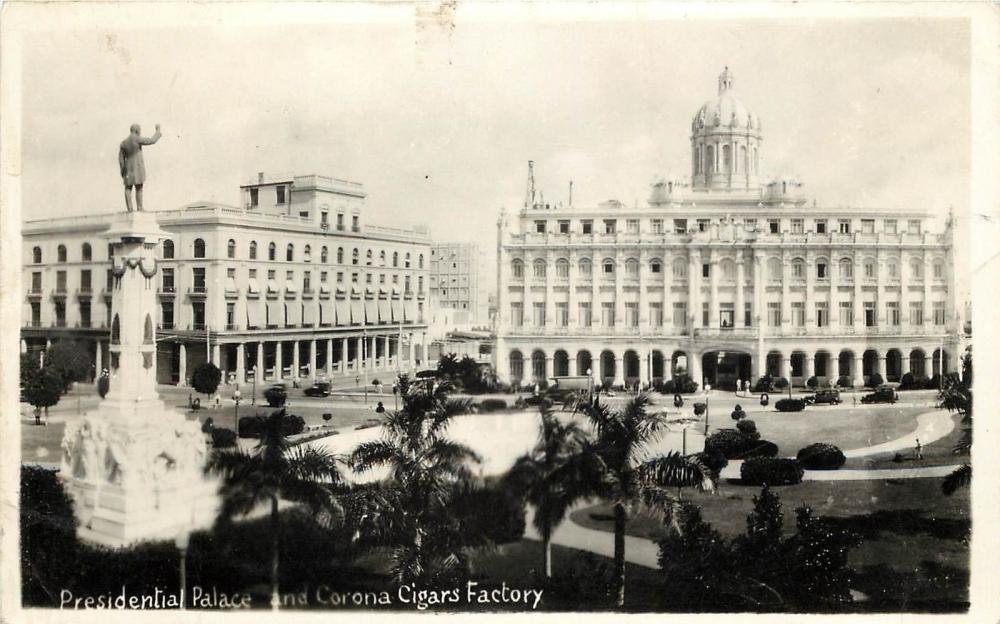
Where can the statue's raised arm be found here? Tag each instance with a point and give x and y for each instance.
(131, 165)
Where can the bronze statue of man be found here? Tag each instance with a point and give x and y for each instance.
(130, 163)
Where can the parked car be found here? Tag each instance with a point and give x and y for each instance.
(318, 389)
(829, 396)
(880, 395)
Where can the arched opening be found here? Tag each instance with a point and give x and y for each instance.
(798, 365)
(560, 363)
(231, 249)
(86, 253)
(657, 365)
(516, 367)
(821, 366)
(584, 364)
(869, 363)
(631, 362)
(678, 364)
(772, 366)
(722, 369)
(253, 250)
(116, 331)
(940, 362)
(845, 364)
(538, 365)
(36, 255)
(199, 248)
(893, 365)
(918, 364)
(607, 366)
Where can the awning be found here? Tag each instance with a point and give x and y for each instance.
(290, 287)
(309, 314)
(253, 286)
(275, 313)
(324, 289)
(395, 290)
(231, 284)
(371, 311)
(341, 290)
(384, 312)
(272, 286)
(254, 313)
(240, 312)
(357, 312)
(355, 290)
(397, 311)
(326, 312)
(343, 308)
(410, 307)
(293, 313)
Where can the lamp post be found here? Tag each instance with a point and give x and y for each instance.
(708, 389)
(590, 386)
(181, 541)
(236, 417)
(253, 390)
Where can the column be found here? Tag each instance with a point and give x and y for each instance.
(904, 297)
(279, 366)
(241, 373)
(786, 298)
(834, 272)
(785, 368)
(880, 298)
(694, 368)
(296, 362)
(411, 352)
(549, 365)
(619, 295)
(344, 350)
(619, 369)
(858, 305)
(694, 290)
(644, 316)
(667, 302)
(880, 366)
(386, 360)
(550, 270)
(755, 367)
(646, 367)
(312, 359)
(359, 352)
(738, 320)
(24, 349)
(216, 359)
(808, 366)
(573, 312)
(372, 353)
(713, 295)
(926, 304)
(329, 358)
(98, 357)
(258, 372)
(904, 362)
(859, 370)
(182, 365)
(810, 294)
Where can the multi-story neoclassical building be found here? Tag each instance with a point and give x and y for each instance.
(291, 284)
(454, 279)
(725, 276)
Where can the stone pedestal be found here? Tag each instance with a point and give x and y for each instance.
(133, 465)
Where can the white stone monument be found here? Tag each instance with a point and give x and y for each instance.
(134, 465)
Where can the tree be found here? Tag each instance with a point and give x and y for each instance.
(29, 368)
(550, 477)
(760, 550)
(410, 511)
(43, 391)
(816, 563)
(206, 378)
(276, 470)
(70, 360)
(620, 476)
(696, 560)
(956, 396)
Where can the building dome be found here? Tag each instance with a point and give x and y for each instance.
(725, 142)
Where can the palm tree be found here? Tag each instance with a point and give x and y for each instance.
(408, 512)
(550, 477)
(626, 477)
(956, 396)
(273, 470)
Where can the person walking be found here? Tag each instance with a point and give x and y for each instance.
(919, 448)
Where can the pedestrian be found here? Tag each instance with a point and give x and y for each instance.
(357, 380)
(919, 450)
(380, 409)
(190, 401)
(218, 401)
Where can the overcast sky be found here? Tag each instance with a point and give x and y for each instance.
(439, 122)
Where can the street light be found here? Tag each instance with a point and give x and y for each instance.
(253, 391)
(590, 386)
(708, 389)
(236, 417)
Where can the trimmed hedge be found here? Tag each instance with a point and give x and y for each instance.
(275, 396)
(843, 381)
(789, 405)
(715, 460)
(492, 405)
(821, 456)
(874, 380)
(682, 384)
(251, 426)
(780, 383)
(748, 428)
(734, 444)
(771, 471)
(223, 438)
(699, 408)
(812, 382)
(738, 413)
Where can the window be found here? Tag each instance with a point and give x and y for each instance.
(607, 314)
(916, 268)
(913, 226)
(407, 261)
(846, 268)
(307, 253)
(821, 226)
(279, 194)
(355, 223)
(340, 277)
(199, 248)
(656, 226)
(198, 279)
(890, 226)
(632, 226)
(60, 307)
(938, 269)
(844, 226)
(60, 281)
(230, 315)
(892, 268)
(822, 314)
(747, 314)
(938, 307)
(916, 313)
(307, 281)
(290, 253)
(198, 314)
(705, 311)
(609, 267)
(727, 315)
(798, 314)
(36, 282)
(85, 284)
(631, 314)
(562, 314)
(395, 259)
(355, 256)
(655, 313)
(774, 226)
(632, 268)
(610, 226)
(324, 255)
(846, 313)
(253, 250)
(111, 251)
(36, 255)
(254, 197)
(869, 269)
(84, 314)
(538, 314)
(706, 269)
(586, 268)
(109, 282)
(868, 226)
(368, 258)
(586, 319)
(539, 227)
(680, 314)
(892, 313)
(703, 224)
(167, 315)
(516, 314)
(798, 269)
(340, 221)
(774, 314)
(61, 253)
(821, 270)
(655, 266)
(750, 225)
(680, 226)
(587, 226)
(86, 254)
(272, 252)
(420, 261)
(564, 227)
(798, 226)
(562, 268)
(231, 249)
(517, 269)
(538, 268)
(679, 269)
(870, 316)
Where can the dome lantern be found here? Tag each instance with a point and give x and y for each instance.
(725, 143)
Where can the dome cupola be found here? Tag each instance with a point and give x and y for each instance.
(725, 142)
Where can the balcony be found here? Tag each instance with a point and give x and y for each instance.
(84, 324)
(198, 292)
(167, 291)
(231, 327)
(84, 292)
(59, 292)
(34, 323)
(308, 293)
(35, 292)
(197, 327)
(166, 325)
(59, 323)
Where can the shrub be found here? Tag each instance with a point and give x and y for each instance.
(535, 401)
(764, 384)
(738, 413)
(103, 386)
(49, 548)
(206, 378)
(812, 382)
(821, 456)
(489, 511)
(251, 426)
(223, 438)
(376, 382)
(906, 382)
(681, 384)
(748, 428)
(790, 405)
(780, 383)
(874, 380)
(771, 471)
(844, 381)
(714, 460)
(276, 396)
(933, 383)
(492, 405)
(734, 444)
(208, 425)
(699, 408)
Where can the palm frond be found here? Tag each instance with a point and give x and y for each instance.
(959, 478)
(312, 463)
(676, 470)
(444, 451)
(369, 455)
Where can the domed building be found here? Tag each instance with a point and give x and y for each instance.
(724, 276)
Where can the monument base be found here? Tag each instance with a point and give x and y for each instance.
(137, 473)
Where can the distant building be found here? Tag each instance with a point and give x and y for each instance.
(292, 284)
(454, 280)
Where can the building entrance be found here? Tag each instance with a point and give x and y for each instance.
(721, 369)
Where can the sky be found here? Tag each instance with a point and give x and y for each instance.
(438, 118)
